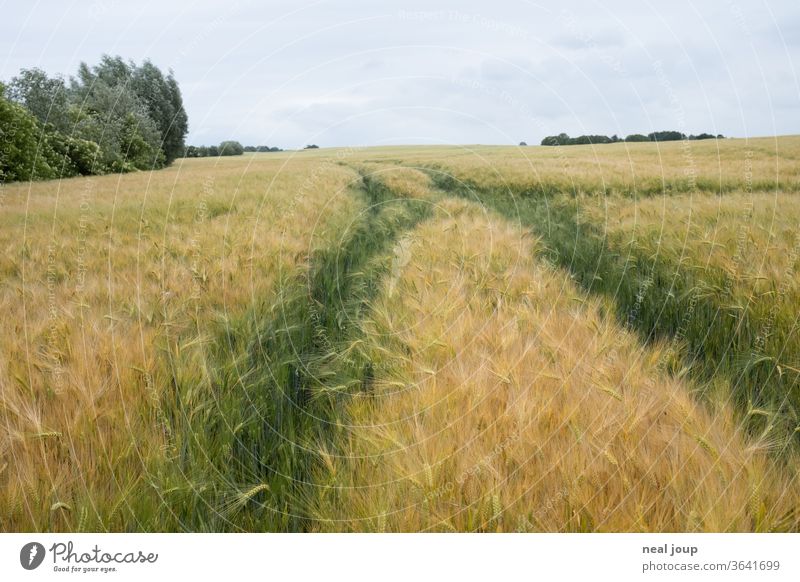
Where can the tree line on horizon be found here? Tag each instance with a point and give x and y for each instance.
(232, 148)
(226, 148)
(564, 139)
(116, 116)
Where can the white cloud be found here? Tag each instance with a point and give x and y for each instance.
(361, 72)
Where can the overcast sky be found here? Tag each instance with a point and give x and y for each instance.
(368, 72)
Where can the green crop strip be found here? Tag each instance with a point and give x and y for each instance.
(646, 186)
(712, 333)
(247, 449)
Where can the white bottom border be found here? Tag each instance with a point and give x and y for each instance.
(354, 557)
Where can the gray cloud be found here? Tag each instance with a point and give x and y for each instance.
(356, 72)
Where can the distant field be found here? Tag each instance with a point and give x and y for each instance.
(407, 339)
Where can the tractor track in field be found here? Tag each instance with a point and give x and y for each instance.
(300, 371)
(659, 300)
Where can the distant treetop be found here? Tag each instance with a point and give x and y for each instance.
(231, 148)
(226, 148)
(564, 139)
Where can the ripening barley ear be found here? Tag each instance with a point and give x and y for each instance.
(238, 499)
(82, 520)
(61, 516)
(381, 523)
(497, 513)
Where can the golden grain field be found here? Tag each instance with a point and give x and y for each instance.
(407, 339)
(515, 406)
(105, 282)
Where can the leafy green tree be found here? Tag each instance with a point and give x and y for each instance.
(162, 98)
(58, 154)
(24, 154)
(588, 139)
(666, 136)
(45, 97)
(114, 116)
(704, 136)
(554, 140)
(110, 113)
(75, 156)
(230, 148)
(140, 144)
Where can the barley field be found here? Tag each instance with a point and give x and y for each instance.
(410, 338)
